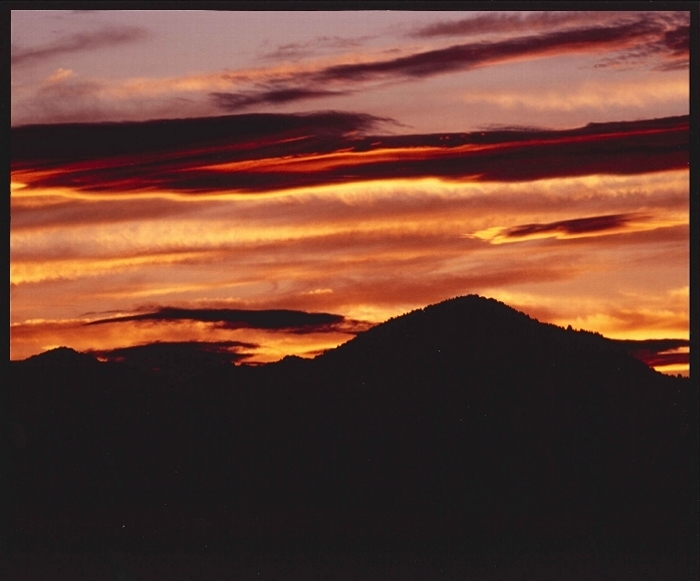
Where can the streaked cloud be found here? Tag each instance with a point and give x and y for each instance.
(106, 37)
(499, 22)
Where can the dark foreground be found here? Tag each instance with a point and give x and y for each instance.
(462, 439)
(573, 566)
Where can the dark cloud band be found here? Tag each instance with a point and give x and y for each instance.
(189, 355)
(578, 226)
(468, 56)
(209, 138)
(299, 322)
(258, 153)
(238, 101)
(658, 352)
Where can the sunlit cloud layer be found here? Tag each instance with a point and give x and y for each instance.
(323, 183)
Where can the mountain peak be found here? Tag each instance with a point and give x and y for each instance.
(62, 356)
(486, 340)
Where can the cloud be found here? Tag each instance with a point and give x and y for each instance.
(463, 57)
(77, 99)
(296, 50)
(186, 355)
(571, 227)
(71, 212)
(651, 234)
(200, 138)
(192, 338)
(601, 232)
(630, 35)
(665, 317)
(259, 153)
(511, 22)
(628, 318)
(391, 287)
(52, 266)
(60, 75)
(83, 41)
(291, 321)
(659, 352)
(424, 203)
(656, 40)
(238, 101)
(677, 41)
(673, 44)
(596, 95)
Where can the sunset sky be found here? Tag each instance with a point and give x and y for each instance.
(271, 183)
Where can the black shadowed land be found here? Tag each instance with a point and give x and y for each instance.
(448, 437)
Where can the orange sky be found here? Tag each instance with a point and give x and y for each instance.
(537, 158)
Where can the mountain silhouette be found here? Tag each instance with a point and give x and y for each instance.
(465, 426)
(484, 338)
(61, 357)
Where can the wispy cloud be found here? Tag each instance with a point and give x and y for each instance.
(499, 22)
(673, 44)
(82, 41)
(296, 50)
